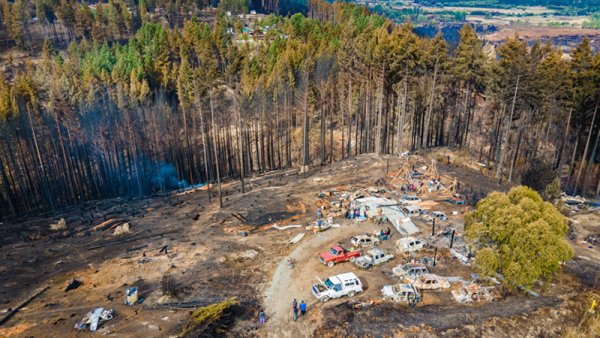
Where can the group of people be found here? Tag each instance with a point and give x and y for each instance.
(301, 308)
(353, 213)
(434, 184)
(384, 235)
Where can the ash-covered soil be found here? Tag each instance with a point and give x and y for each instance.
(214, 253)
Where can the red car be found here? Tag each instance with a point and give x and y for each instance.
(337, 254)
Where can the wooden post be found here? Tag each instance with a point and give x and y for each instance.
(434, 256)
(433, 228)
(452, 239)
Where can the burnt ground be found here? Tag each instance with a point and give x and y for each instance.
(389, 318)
(210, 260)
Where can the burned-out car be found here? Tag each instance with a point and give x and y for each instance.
(372, 258)
(401, 293)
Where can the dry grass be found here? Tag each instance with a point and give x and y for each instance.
(589, 325)
(204, 317)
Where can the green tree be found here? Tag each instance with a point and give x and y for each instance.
(538, 174)
(553, 191)
(18, 22)
(519, 236)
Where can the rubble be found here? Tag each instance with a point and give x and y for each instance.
(95, 318)
(471, 293)
(59, 226)
(121, 229)
(73, 284)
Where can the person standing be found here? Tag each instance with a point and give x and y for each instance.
(295, 309)
(302, 308)
(262, 317)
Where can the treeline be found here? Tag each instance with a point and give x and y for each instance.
(205, 102)
(27, 24)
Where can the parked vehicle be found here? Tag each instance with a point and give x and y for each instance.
(410, 271)
(337, 254)
(412, 210)
(439, 215)
(345, 284)
(364, 241)
(431, 282)
(373, 257)
(410, 244)
(401, 293)
(410, 199)
(456, 200)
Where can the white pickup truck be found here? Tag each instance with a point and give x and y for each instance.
(345, 284)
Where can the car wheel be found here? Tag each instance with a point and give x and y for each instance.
(325, 299)
(352, 259)
(331, 264)
(351, 294)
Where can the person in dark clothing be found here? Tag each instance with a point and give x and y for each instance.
(295, 308)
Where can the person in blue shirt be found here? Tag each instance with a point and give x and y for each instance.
(302, 307)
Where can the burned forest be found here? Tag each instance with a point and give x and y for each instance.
(171, 168)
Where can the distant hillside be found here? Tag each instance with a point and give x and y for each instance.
(587, 4)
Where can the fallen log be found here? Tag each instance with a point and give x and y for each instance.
(23, 304)
(137, 247)
(129, 240)
(239, 217)
(186, 305)
(109, 224)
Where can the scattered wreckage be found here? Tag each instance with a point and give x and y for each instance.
(95, 318)
(401, 293)
(338, 254)
(372, 258)
(472, 293)
(345, 284)
(462, 254)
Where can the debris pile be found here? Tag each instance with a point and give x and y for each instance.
(95, 318)
(59, 226)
